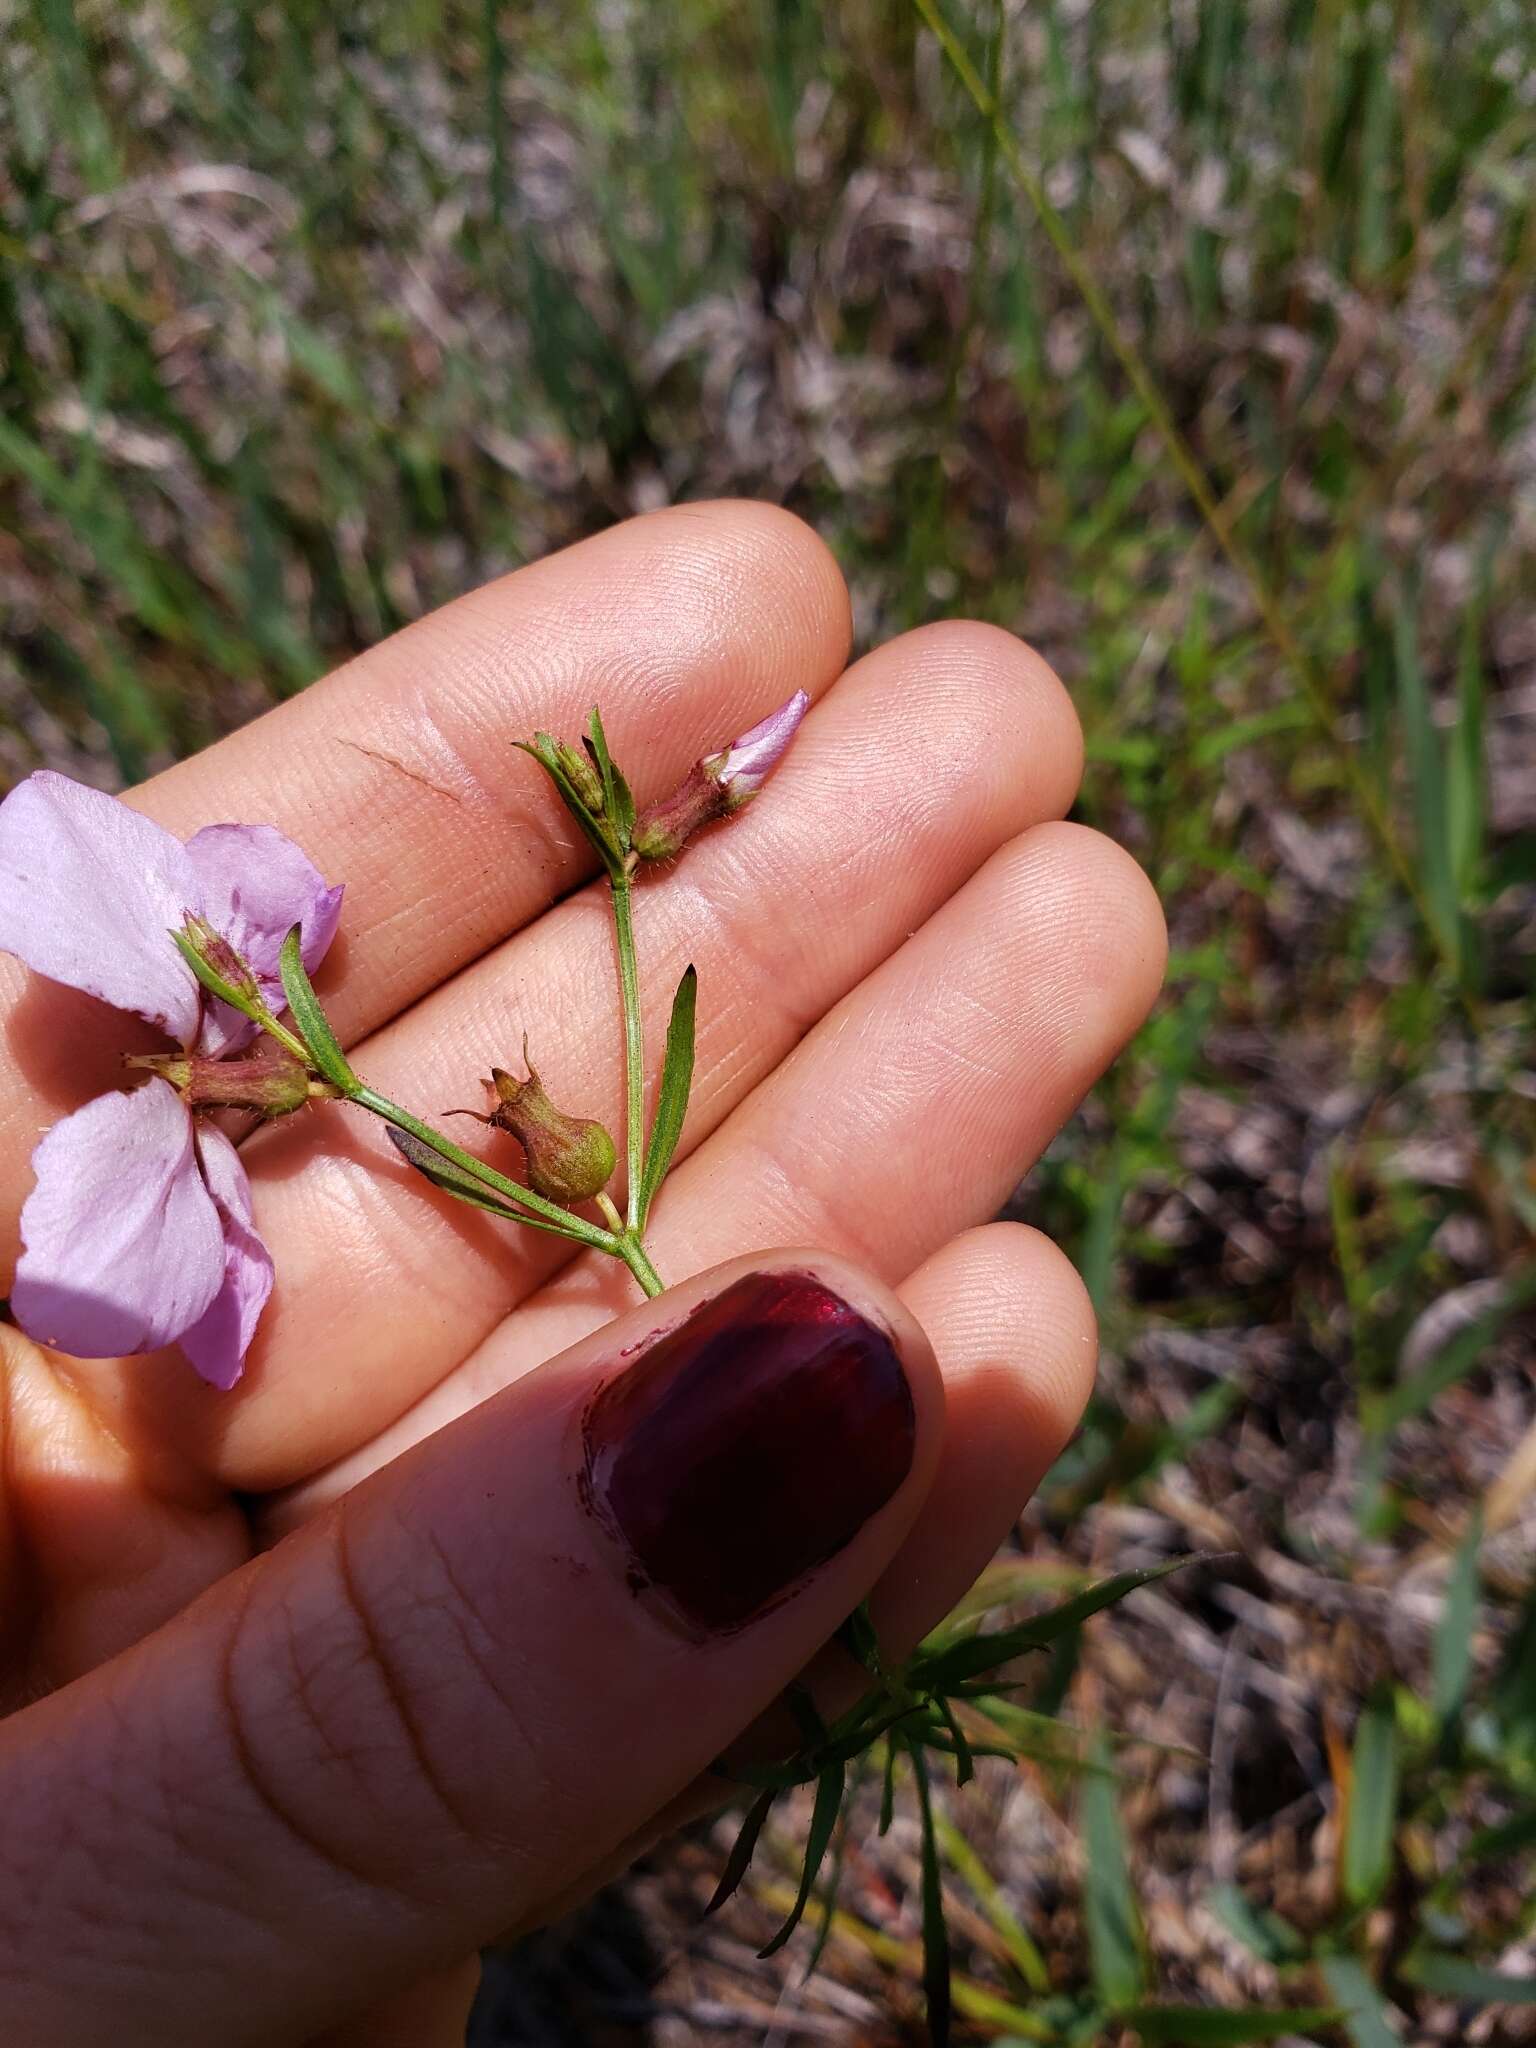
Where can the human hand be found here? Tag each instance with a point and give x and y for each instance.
(251, 1797)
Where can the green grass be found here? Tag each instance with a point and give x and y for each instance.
(1193, 343)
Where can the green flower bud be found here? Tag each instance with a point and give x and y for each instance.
(570, 1158)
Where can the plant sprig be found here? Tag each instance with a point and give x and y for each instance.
(915, 1712)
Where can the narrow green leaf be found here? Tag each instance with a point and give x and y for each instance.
(830, 1891)
(741, 1850)
(617, 801)
(829, 1803)
(857, 1636)
(1367, 1860)
(1466, 766)
(1272, 1939)
(1421, 744)
(1115, 1943)
(969, 1659)
(936, 1985)
(965, 1762)
(542, 749)
(1456, 1358)
(453, 1180)
(1452, 1649)
(314, 1026)
(672, 1097)
(1455, 1977)
(888, 1788)
(1364, 2009)
(1194, 2026)
(967, 1865)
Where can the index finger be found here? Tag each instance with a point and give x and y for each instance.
(397, 776)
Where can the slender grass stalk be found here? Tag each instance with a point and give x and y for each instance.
(1369, 798)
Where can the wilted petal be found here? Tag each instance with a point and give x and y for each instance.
(747, 763)
(217, 1342)
(123, 1247)
(89, 892)
(256, 885)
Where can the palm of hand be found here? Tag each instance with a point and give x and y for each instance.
(908, 974)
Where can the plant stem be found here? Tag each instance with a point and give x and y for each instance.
(563, 1220)
(285, 1038)
(634, 1057)
(632, 1252)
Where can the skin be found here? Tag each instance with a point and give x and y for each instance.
(249, 1788)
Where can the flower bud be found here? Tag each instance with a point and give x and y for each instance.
(266, 1079)
(216, 963)
(570, 1158)
(583, 777)
(720, 784)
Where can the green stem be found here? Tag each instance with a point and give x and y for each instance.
(632, 1252)
(285, 1038)
(634, 1064)
(509, 1190)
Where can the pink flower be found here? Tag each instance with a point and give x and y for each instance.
(745, 765)
(719, 784)
(138, 1231)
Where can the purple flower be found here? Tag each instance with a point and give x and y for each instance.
(719, 784)
(745, 765)
(138, 1231)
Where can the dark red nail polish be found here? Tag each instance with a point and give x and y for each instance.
(740, 1450)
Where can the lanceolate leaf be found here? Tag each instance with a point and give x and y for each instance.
(962, 1661)
(453, 1180)
(829, 1802)
(314, 1025)
(617, 801)
(672, 1100)
(741, 1850)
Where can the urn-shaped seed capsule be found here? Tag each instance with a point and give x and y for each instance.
(570, 1158)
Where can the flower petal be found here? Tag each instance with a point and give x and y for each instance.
(123, 1247)
(256, 886)
(749, 761)
(217, 1342)
(89, 893)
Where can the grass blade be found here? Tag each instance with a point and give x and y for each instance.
(1363, 2007)
(1116, 1946)
(1371, 1806)
(1195, 2026)
(936, 1985)
(1452, 1648)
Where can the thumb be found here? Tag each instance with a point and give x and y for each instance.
(436, 1705)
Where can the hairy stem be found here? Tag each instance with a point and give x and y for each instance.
(634, 1059)
(509, 1190)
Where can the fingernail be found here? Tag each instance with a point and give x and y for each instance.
(747, 1446)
